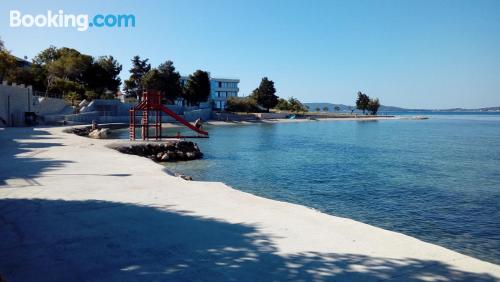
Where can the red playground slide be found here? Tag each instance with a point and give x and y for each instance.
(181, 120)
(151, 107)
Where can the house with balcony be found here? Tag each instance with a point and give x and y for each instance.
(220, 90)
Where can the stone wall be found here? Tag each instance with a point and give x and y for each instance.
(15, 100)
(50, 106)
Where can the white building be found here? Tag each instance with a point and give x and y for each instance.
(220, 90)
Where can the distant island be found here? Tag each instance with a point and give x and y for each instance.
(346, 108)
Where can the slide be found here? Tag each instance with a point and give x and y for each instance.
(181, 120)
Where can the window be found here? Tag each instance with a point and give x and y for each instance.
(220, 84)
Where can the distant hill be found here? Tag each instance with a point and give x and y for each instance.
(383, 108)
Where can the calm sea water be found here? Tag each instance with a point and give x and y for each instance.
(437, 180)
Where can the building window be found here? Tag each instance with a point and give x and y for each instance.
(220, 84)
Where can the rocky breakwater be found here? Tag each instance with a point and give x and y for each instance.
(164, 151)
(98, 133)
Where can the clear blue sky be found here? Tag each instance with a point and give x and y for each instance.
(424, 54)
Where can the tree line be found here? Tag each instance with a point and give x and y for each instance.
(77, 76)
(64, 71)
(264, 98)
(167, 80)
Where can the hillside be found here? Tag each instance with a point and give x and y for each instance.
(384, 108)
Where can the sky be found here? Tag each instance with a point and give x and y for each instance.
(415, 54)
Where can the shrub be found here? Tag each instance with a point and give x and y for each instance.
(242, 104)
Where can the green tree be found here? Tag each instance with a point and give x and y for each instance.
(133, 85)
(33, 75)
(282, 105)
(373, 106)
(336, 108)
(7, 65)
(325, 109)
(109, 70)
(265, 94)
(296, 106)
(72, 97)
(242, 104)
(102, 76)
(362, 101)
(62, 64)
(61, 70)
(152, 80)
(318, 109)
(197, 88)
(171, 86)
(91, 95)
(2, 46)
(46, 56)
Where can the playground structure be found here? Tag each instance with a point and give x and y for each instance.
(151, 106)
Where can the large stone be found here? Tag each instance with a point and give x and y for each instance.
(99, 133)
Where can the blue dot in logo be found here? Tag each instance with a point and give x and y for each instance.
(91, 24)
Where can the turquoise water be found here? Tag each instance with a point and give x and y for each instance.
(437, 179)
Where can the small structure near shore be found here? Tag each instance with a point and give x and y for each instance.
(151, 105)
(164, 151)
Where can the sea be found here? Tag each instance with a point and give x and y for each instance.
(436, 179)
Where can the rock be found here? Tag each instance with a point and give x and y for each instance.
(99, 133)
(162, 152)
(181, 155)
(81, 131)
(185, 177)
(171, 155)
(164, 157)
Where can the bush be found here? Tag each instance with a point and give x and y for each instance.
(91, 95)
(72, 97)
(239, 104)
(292, 105)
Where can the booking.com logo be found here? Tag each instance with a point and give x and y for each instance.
(81, 22)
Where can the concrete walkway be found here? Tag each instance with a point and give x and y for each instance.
(73, 210)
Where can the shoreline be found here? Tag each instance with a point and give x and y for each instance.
(274, 121)
(289, 230)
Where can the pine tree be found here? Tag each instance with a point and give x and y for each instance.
(197, 88)
(133, 85)
(265, 94)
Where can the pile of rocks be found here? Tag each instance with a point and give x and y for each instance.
(170, 151)
(98, 133)
(82, 131)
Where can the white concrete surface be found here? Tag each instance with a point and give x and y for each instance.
(72, 209)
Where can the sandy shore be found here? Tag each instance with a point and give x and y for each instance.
(72, 209)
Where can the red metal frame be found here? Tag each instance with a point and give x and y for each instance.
(151, 103)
